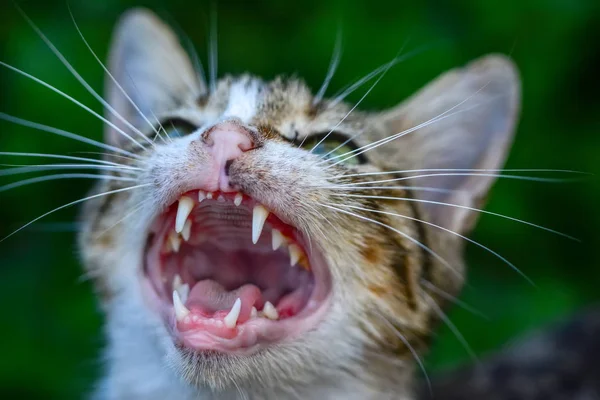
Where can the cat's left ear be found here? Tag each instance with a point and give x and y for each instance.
(152, 68)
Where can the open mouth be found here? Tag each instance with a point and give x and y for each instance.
(231, 276)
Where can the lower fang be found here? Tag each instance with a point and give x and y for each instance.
(231, 318)
(180, 310)
(187, 230)
(184, 292)
(175, 241)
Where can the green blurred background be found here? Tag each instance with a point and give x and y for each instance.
(51, 340)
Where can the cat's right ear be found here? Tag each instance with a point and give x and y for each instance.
(152, 71)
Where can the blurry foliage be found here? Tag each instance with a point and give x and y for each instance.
(51, 339)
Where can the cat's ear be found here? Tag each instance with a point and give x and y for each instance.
(477, 108)
(151, 67)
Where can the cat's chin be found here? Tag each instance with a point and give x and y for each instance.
(229, 276)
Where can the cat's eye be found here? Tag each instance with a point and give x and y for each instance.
(334, 147)
(175, 128)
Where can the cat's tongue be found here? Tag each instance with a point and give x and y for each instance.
(210, 298)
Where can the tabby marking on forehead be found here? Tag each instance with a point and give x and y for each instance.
(243, 100)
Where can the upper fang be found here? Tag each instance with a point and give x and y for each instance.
(259, 216)
(186, 205)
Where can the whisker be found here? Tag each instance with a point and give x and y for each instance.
(511, 265)
(436, 308)
(410, 348)
(333, 65)
(110, 155)
(24, 169)
(63, 133)
(339, 97)
(499, 176)
(112, 77)
(389, 65)
(213, 49)
(60, 156)
(74, 101)
(161, 127)
(388, 139)
(74, 203)
(413, 188)
(408, 171)
(447, 296)
(464, 208)
(77, 76)
(421, 245)
(59, 177)
(127, 216)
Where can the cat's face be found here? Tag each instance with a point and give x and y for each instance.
(254, 249)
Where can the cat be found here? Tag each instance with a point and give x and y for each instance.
(251, 239)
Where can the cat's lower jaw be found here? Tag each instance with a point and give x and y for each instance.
(229, 277)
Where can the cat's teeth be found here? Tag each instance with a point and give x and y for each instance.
(270, 311)
(201, 195)
(209, 195)
(277, 239)
(231, 318)
(238, 199)
(175, 241)
(184, 209)
(180, 310)
(184, 292)
(295, 254)
(259, 216)
(177, 281)
(221, 199)
(253, 312)
(186, 232)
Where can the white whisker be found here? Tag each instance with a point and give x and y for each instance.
(213, 49)
(415, 241)
(74, 101)
(413, 188)
(462, 207)
(112, 77)
(333, 65)
(499, 176)
(389, 65)
(60, 132)
(24, 169)
(74, 203)
(380, 142)
(436, 308)
(453, 299)
(408, 171)
(410, 348)
(78, 76)
(59, 177)
(63, 157)
(127, 215)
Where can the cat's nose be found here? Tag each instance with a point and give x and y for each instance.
(226, 141)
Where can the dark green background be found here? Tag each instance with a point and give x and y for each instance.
(50, 341)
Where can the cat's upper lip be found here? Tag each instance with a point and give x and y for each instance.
(231, 276)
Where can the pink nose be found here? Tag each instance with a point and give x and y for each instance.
(226, 141)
